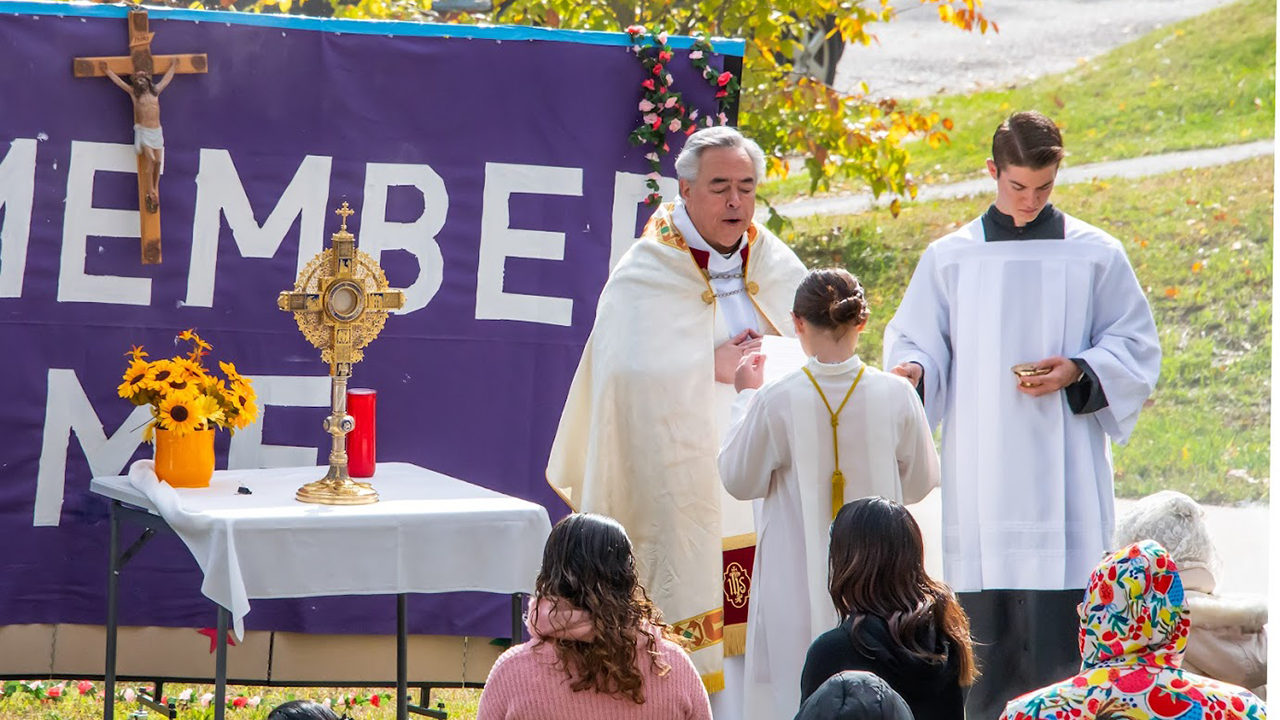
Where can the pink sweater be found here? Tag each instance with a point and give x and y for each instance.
(528, 681)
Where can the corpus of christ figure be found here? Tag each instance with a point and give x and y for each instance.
(148, 138)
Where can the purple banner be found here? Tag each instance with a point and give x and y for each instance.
(492, 178)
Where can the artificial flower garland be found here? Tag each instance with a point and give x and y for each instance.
(664, 111)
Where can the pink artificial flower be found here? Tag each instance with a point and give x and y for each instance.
(85, 687)
(375, 701)
(724, 78)
(255, 701)
(635, 49)
(636, 30)
(671, 102)
(647, 84)
(205, 699)
(129, 695)
(650, 118)
(662, 38)
(654, 176)
(327, 703)
(724, 119)
(693, 114)
(646, 106)
(674, 125)
(657, 69)
(185, 695)
(695, 55)
(54, 692)
(668, 78)
(652, 156)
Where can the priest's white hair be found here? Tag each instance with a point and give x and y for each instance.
(721, 136)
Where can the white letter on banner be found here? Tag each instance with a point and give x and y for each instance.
(67, 410)
(17, 191)
(499, 241)
(629, 191)
(247, 450)
(219, 192)
(81, 219)
(418, 237)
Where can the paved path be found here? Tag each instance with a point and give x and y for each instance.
(1240, 535)
(917, 55)
(1131, 168)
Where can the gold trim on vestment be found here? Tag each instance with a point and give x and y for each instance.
(737, 542)
(735, 639)
(713, 682)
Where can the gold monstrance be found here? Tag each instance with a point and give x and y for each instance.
(340, 301)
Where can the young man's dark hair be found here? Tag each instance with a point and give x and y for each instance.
(1027, 139)
(302, 710)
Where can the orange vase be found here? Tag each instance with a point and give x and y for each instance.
(186, 460)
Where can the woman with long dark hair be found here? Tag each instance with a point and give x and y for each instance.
(896, 621)
(833, 431)
(599, 647)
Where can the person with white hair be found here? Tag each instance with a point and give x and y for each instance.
(650, 402)
(1228, 640)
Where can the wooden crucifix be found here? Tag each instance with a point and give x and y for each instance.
(137, 70)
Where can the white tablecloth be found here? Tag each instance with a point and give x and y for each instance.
(429, 533)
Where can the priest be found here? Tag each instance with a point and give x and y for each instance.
(650, 401)
(1028, 336)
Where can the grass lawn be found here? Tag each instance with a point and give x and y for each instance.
(1200, 242)
(1204, 82)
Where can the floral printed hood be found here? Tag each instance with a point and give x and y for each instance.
(1134, 623)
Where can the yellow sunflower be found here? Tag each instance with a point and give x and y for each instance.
(199, 348)
(134, 378)
(194, 371)
(180, 412)
(211, 411)
(230, 370)
(242, 401)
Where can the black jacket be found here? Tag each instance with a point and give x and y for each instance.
(931, 688)
(855, 696)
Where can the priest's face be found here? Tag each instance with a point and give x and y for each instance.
(721, 200)
(1021, 193)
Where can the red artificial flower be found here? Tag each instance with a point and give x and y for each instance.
(55, 691)
(724, 78)
(657, 69)
(636, 30)
(240, 702)
(689, 130)
(85, 687)
(664, 56)
(666, 148)
(657, 123)
(375, 701)
(722, 93)
(647, 84)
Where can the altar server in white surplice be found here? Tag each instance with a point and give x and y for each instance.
(1027, 495)
(650, 401)
(832, 432)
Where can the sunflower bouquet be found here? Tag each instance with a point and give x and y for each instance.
(186, 397)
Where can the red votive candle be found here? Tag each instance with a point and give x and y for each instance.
(362, 442)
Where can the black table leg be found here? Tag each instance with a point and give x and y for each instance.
(402, 656)
(113, 589)
(220, 667)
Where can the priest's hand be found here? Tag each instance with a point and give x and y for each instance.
(750, 372)
(730, 354)
(1062, 372)
(909, 370)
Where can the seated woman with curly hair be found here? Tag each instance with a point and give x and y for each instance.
(599, 647)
